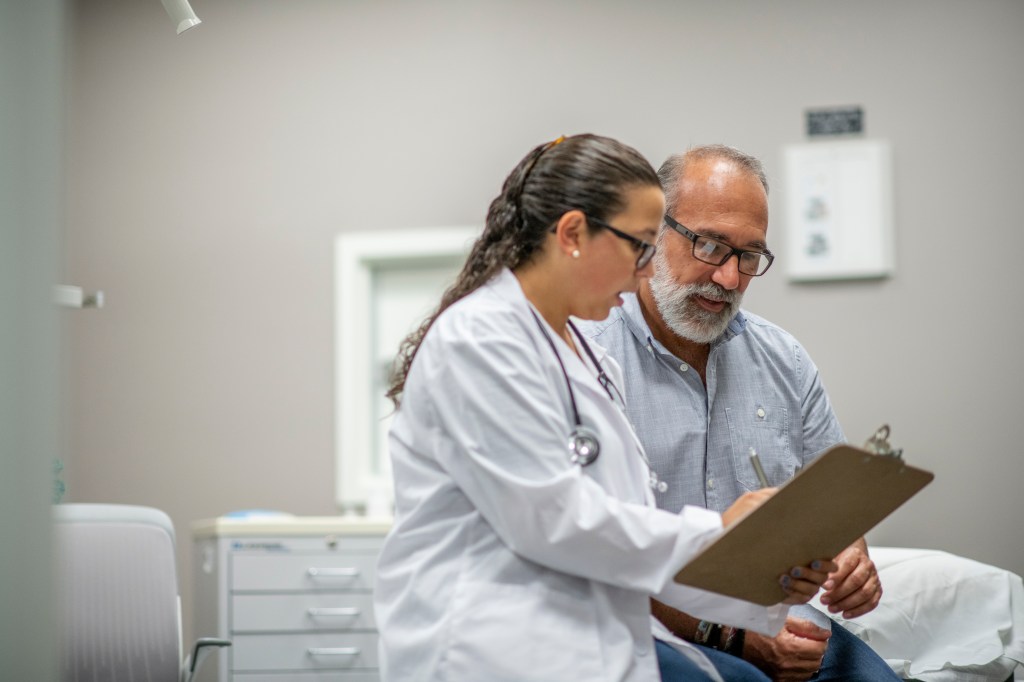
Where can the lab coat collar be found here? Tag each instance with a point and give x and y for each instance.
(506, 285)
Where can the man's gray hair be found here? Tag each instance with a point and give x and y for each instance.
(675, 166)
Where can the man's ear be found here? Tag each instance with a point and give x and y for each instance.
(570, 232)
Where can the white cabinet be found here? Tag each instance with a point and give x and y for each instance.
(293, 594)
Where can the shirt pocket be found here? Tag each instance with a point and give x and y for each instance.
(517, 633)
(764, 427)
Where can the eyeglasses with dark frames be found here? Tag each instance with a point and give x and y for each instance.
(714, 252)
(645, 250)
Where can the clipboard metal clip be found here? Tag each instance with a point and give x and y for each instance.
(878, 444)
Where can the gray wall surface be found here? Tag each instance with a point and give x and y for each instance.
(208, 174)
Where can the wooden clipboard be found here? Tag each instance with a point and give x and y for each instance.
(835, 500)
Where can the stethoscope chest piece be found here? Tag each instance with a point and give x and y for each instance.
(584, 446)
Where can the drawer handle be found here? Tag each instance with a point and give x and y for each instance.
(334, 651)
(333, 572)
(345, 611)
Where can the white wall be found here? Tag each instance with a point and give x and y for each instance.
(209, 172)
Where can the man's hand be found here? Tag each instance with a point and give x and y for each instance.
(793, 655)
(854, 589)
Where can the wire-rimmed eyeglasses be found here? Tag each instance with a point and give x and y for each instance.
(714, 252)
(645, 250)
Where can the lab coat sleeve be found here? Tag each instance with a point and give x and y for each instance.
(499, 428)
(726, 610)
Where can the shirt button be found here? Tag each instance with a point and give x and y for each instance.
(760, 413)
(684, 367)
(711, 483)
(650, 348)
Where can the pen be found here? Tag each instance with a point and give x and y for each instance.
(758, 469)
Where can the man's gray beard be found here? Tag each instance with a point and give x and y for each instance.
(684, 316)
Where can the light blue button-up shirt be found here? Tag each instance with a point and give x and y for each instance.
(763, 392)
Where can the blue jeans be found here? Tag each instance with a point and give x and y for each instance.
(847, 659)
(675, 667)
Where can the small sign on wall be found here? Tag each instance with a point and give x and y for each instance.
(835, 121)
(839, 210)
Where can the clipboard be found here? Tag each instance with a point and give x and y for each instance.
(822, 510)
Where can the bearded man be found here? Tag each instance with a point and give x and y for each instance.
(707, 381)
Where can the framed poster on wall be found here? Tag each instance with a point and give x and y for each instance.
(839, 222)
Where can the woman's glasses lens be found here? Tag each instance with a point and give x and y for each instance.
(645, 256)
(645, 251)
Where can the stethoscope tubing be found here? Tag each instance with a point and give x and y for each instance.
(584, 445)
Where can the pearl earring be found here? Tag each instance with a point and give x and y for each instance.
(575, 253)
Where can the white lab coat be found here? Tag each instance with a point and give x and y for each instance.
(506, 561)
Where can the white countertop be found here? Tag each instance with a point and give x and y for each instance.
(291, 525)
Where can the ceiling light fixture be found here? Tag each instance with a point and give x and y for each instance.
(181, 14)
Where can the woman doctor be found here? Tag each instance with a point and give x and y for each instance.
(526, 544)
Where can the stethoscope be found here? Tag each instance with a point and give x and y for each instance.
(584, 445)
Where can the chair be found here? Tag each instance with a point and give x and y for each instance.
(119, 612)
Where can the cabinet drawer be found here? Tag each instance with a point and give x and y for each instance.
(276, 572)
(311, 611)
(310, 651)
(311, 676)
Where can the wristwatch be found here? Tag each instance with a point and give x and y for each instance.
(721, 637)
(708, 634)
(732, 641)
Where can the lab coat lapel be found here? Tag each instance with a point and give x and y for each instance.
(507, 286)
